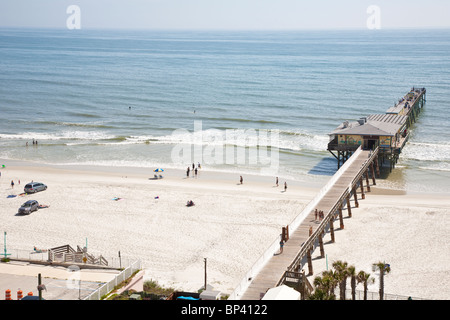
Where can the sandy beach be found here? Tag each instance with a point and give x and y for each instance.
(231, 224)
(410, 232)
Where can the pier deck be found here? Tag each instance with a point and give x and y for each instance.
(274, 269)
(358, 163)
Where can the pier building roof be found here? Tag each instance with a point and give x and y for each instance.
(373, 125)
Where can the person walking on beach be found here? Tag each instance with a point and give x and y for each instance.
(315, 215)
(12, 184)
(187, 172)
(241, 180)
(195, 172)
(276, 181)
(285, 186)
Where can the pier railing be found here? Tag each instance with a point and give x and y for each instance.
(332, 213)
(255, 268)
(274, 246)
(365, 166)
(313, 203)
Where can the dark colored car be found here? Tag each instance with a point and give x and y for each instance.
(34, 187)
(28, 207)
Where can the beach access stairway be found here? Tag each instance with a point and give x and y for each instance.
(67, 254)
(272, 267)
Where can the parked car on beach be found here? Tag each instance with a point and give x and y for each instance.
(28, 207)
(34, 187)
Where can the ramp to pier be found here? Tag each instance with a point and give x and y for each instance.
(270, 268)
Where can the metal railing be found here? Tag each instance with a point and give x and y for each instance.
(42, 256)
(359, 295)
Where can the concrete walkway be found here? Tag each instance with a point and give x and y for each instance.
(61, 283)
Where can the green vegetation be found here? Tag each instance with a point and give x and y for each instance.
(152, 287)
(325, 284)
(152, 291)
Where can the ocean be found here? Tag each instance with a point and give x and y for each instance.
(256, 102)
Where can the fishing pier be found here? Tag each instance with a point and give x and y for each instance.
(360, 153)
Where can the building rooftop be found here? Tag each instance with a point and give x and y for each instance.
(373, 125)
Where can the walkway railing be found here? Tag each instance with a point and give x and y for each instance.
(268, 254)
(28, 255)
(359, 295)
(310, 243)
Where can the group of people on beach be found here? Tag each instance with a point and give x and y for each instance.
(285, 184)
(190, 203)
(194, 169)
(241, 181)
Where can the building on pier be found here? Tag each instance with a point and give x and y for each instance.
(366, 140)
(389, 131)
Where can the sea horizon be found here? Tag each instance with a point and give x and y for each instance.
(128, 98)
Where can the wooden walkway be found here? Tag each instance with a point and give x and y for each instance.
(300, 242)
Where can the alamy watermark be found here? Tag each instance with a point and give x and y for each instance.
(74, 279)
(74, 20)
(227, 147)
(374, 20)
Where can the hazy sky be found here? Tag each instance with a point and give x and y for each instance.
(226, 14)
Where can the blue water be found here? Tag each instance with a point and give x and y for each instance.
(129, 98)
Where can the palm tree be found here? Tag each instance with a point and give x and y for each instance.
(341, 274)
(384, 268)
(352, 273)
(318, 294)
(331, 278)
(320, 291)
(364, 278)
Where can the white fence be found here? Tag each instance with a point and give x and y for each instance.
(359, 295)
(109, 286)
(20, 254)
(259, 264)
